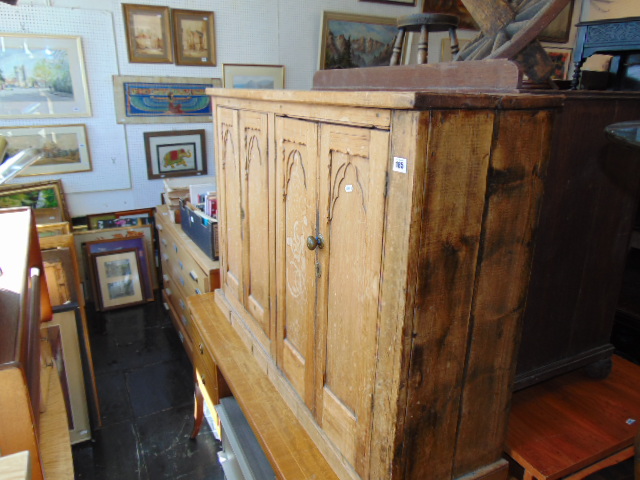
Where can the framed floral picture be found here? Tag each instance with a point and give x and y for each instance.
(148, 33)
(64, 148)
(194, 37)
(561, 58)
(351, 41)
(42, 76)
(175, 154)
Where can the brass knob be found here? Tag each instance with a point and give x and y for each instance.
(313, 242)
(204, 380)
(201, 349)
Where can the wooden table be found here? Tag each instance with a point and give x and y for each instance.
(571, 426)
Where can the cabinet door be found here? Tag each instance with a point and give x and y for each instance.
(255, 173)
(352, 178)
(296, 216)
(230, 191)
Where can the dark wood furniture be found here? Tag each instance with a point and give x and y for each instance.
(572, 426)
(588, 212)
(604, 36)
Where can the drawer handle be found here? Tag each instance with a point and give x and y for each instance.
(181, 336)
(201, 349)
(164, 241)
(182, 304)
(182, 281)
(204, 380)
(184, 320)
(198, 292)
(181, 264)
(159, 227)
(193, 275)
(166, 278)
(168, 291)
(166, 307)
(175, 247)
(165, 257)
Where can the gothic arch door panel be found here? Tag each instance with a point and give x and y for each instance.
(255, 173)
(296, 217)
(352, 178)
(231, 192)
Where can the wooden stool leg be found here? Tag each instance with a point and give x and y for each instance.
(397, 48)
(198, 410)
(454, 42)
(423, 45)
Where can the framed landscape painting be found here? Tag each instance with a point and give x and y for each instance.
(194, 37)
(352, 41)
(175, 154)
(140, 99)
(42, 76)
(64, 148)
(253, 76)
(46, 198)
(148, 33)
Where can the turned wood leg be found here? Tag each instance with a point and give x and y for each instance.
(575, 80)
(455, 48)
(198, 410)
(397, 48)
(423, 45)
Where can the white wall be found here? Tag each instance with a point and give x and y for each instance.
(607, 9)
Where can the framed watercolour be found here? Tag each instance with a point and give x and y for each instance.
(408, 3)
(194, 37)
(559, 28)
(64, 147)
(370, 41)
(42, 76)
(561, 58)
(117, 279)
(148, 33)
(163, 99)
(175, 154)
(46, 199)
(237, 75)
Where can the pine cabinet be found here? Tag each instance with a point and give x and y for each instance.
(375, 257)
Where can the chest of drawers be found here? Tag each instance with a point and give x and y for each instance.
(186, 271)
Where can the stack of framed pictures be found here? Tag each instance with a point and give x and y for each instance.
(120, 272)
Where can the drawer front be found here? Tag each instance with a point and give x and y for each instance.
(205, 366)
(178, 323)
(192, 277)
(178, 299)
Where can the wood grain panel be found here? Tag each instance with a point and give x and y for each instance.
(231, 212)
(254, 148)
(353, 164)
(296, 218)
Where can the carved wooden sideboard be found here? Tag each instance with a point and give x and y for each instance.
(375, 259)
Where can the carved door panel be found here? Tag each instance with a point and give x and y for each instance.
(255, 173)
(352, 177)
(296, 215)
(231, 194)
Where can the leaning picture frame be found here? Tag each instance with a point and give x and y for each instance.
(117, 279)
(143, 99)
(175, 153)
(362, 30)
(46, 198)
(561, 59)
(238, 75)
(148, 31)
(560, 27)
(64, 148)
(43, 76)
(194, 37)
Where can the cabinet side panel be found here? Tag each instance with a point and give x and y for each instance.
(255, 166)
(230, 201)
(513, 201)
(458, 152)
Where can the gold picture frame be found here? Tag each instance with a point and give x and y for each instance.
(236, 75)
(148, 31)
(194, 37)
(46, 198)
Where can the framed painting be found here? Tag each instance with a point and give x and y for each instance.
(42, 76)
(163, 99)
(237, 75)
(148, 33)
(559, 28)
(408, 3)
(352, 41)
(561, 58)
(451, 7)
(194, 37)
(117, 279)
(64, 148)
(175, 154)
(46, 199)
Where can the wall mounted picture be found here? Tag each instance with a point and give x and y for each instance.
(237, 75)
(561, 58)
(194, 37)
(148, 33)
(559, 28)
(42, 76)
(46, 199)
(350, 41)
(64, 148)
(409, 3)
(163, 99)
(175, 154)
(117, 278)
